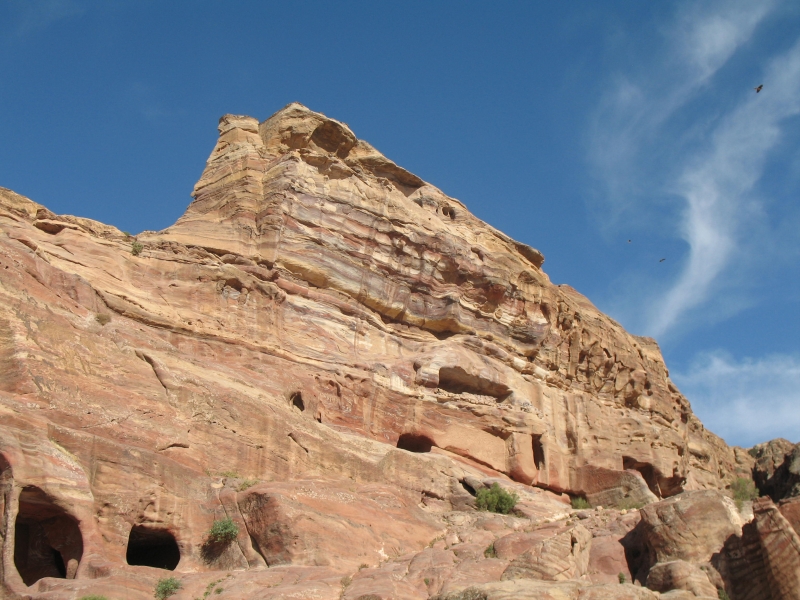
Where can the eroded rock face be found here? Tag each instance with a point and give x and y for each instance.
(780, 547)
(691, 527)
(777, 469)
(318, 317)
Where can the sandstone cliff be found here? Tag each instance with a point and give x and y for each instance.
(320, 329)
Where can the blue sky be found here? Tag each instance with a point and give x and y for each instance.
(572, 126)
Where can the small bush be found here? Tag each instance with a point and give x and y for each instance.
(247, 484)
(136, 248)
(490, 551)
(102, 318)
(722, 594)
(230, 474)
(363, 566)
(580, 503)
(93, 597)
(470, 593)
(743, 490)
(621, 577)
(427, 581)
(346, 581)
(496, 500)
(629, 504)
(167, 587)
(224, 531)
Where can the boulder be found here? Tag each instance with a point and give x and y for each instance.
(680, 575)
(607, 560)
(780, 545)
(319, 523)
(692, 526)
(552, 554)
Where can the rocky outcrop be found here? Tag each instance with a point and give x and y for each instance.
(777, 469)
(780, 546)
(319, 319)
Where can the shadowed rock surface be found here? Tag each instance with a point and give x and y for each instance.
(335, 356)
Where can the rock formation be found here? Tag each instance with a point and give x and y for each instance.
(335, 356)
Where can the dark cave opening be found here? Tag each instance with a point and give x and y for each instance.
(297, 401)
(538, 452)
(647, 471)
(152, 548)
(47, 540)
(415, 443)
(457, 381)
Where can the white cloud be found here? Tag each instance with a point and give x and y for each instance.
(747, 401)
(716, 187)
(689, 171)
(707, 36)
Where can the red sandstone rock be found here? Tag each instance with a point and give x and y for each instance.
(680, 575)
(780, 548)
(691, 527)
(318, 317)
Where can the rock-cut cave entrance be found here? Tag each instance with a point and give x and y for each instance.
(151, 547)
(415, 442)
(47, 540)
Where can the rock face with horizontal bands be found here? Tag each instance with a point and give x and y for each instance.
(318, 315)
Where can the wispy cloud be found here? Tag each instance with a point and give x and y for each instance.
(747, 401)
(694, 170)
(716, 184)
(700, 42)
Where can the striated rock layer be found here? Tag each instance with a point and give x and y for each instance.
(321, 338)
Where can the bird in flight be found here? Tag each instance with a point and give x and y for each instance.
(662, 260)
(629, 241)
(759, 88)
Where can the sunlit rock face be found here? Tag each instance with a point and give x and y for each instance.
(320, 315)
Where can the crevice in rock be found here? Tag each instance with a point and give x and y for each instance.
(538, 452)
(457, 381)
(415, 442)
(152, 547)
(648, 472)
(47, 540)
(296, 400)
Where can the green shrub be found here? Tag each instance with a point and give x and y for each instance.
(496, 500)
(224, 531)
(743, 489)
(471, 593)
(346, 581)
(490, 551)
(629, 504)
(621, 577)
(580, 503)
(167, 587)
(93, 597)
(247, 484)
(102, 318)
(722, 594)
(136, 248)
